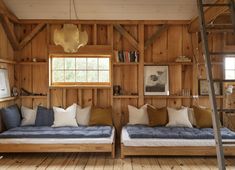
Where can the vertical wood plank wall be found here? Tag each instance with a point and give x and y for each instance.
(174, 42)
(6, 57)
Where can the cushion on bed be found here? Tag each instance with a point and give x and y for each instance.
(178, 118)
(101, 116)
(138, 116)
(157, 116)
(11, 116)
(202, 117)
(28, 116)
(59, 132)
(141, 131)
(45, 117)
(83, 115)
(65, 117)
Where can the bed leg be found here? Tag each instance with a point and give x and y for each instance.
(113, 151)
(122, 152)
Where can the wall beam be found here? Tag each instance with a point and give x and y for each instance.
(156, 35)
(31, 35)
(125, 34)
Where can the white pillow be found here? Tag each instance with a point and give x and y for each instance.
(138, 116)
(83, 115)
(190, 115)
(65, 117)
(178, 118)
(28, 116)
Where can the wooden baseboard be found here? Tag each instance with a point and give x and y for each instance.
(174, 150)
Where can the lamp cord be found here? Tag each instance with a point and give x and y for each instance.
(75, 11)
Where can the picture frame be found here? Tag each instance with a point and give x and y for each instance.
(156, 80)
(204, 90)
(4, 84)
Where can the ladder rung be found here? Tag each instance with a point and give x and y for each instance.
(227, 110)
(214, 5)
(222, 53)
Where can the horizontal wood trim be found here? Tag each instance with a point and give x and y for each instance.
(126, 97)
(168, 97)
(170, 63)
(86, 50)
(55, 148)
(175, 150)
(126, 22)
(33, 97)
(7, 99)
(126, 64)
(32, 63)
(7, 61)
(79, 87)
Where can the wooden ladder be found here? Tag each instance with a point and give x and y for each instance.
(207, 54)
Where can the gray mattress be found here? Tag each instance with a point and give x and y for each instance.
(58, 132)
(140, 131)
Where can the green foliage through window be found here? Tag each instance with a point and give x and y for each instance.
(80, 70)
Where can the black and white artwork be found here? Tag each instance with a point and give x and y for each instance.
(156, 80)
(4, 84)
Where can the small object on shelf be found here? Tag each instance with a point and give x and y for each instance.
(15, 92)
(34, 59)
(116, 90)
(126, 56)
(183, 59)
(27, 93)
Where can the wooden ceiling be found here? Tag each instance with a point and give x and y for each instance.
(105, 9)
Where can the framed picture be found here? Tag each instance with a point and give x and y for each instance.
(156, 80)
(4, 84)
(204, 90)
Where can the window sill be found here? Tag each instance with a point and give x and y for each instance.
(80, 86)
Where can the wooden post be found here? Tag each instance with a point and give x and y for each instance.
(141, 64)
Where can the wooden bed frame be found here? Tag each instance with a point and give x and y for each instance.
(24, 148)
(174, 150)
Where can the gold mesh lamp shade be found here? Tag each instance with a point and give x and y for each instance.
(70, 38)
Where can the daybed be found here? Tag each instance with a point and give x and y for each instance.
(57, 130)
(65, 139)
(172, 141)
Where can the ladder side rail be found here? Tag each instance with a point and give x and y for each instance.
(215, 117)
(232, 10)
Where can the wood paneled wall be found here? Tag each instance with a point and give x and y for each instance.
(6, 57)
(173, 42)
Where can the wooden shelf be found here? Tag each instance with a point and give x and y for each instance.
(33, 97)
(168, 63)
(7, 99)
(213, 63)
(126, 97)
(7, 61)
(218, 97)
(126, 64)
(168, 97)
(32, 63)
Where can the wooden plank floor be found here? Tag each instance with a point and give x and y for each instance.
(101, 161)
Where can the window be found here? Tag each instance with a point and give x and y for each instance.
(230, 68)
(80, 71)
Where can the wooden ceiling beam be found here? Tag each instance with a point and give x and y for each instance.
(210, 14)
(125, 34)
(156, 35)
(4, 11)
(31, 35)
(7, 26)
